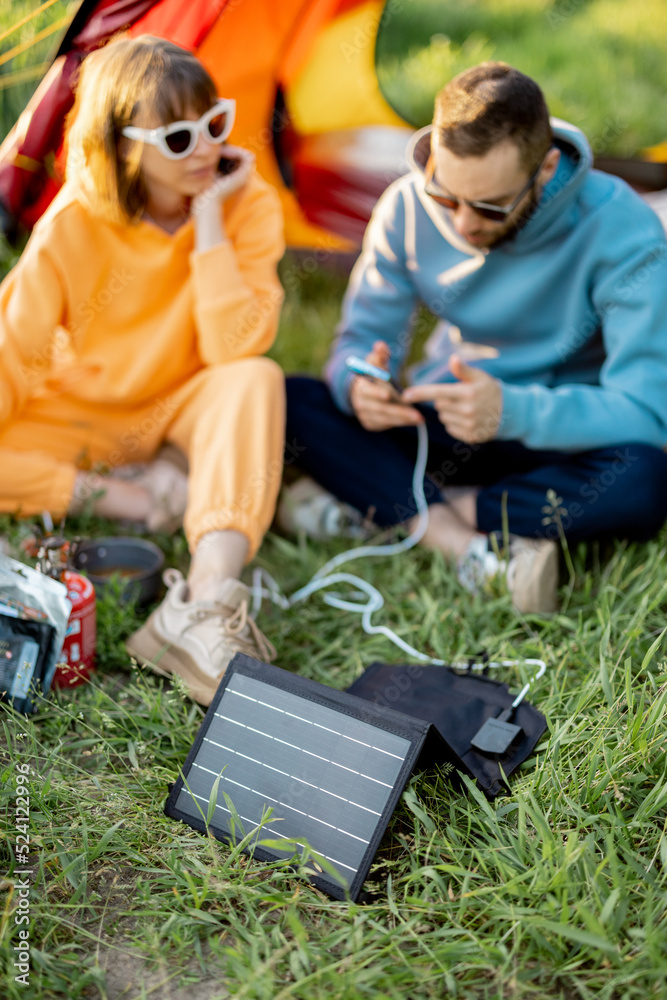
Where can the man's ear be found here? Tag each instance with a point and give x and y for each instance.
(550, 166)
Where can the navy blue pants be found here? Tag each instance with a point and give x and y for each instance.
(620, 491)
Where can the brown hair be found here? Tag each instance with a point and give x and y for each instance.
(487, 104)
(141, 81)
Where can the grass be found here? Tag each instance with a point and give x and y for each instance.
(555, 891)
(35, 42)
(599, 62)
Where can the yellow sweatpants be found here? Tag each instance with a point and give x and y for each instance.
(228, 419)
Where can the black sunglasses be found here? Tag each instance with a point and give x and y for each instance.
(495, 213)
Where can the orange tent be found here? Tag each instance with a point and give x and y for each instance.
(308, 104)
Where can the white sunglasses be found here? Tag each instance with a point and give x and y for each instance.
(179, 139)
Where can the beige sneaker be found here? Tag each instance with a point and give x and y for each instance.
(531, 571)
(532, 575)
(197, 639)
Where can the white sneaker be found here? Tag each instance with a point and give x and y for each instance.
(531, 571)
(478, 564)
(307, 507)
(197, 639)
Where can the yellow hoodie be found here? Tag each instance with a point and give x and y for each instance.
(117, 315)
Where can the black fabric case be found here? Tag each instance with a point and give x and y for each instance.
(457, 705)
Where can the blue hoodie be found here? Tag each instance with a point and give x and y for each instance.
(570, 315)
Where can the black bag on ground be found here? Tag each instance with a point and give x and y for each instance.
(459, 705)
(25, 649)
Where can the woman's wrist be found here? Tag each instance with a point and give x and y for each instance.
(209, 227)
(206, 207)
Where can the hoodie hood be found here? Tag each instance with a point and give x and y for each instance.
(556, 200)
(568, 314)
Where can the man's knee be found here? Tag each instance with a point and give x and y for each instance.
(634, 477)
(307, 396)
(310, 390)
(646, 487)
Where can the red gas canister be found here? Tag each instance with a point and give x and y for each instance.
(78, 652)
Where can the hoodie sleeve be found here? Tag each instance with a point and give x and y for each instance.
(32, 305)
(380, 298)
(237, 294)
(630, 402)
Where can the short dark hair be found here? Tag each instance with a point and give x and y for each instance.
(487, 104)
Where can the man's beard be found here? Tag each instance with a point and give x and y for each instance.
(516, 225)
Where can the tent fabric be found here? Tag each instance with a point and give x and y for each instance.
(337, 87)
(185, 24)
(268, 31)
(657, 154)
(30, 170)
(253, 49)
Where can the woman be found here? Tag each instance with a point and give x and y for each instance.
(138, 315)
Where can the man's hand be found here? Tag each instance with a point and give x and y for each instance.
(470, 409)
(371, 400)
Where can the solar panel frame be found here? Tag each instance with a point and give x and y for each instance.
(388, 721)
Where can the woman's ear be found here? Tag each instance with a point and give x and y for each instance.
(124, 148)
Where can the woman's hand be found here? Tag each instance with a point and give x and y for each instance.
(224, 185)
(206, 206)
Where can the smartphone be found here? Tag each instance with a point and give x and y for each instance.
(227, 165)
(367, 370)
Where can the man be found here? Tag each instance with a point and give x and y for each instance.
(544, 388)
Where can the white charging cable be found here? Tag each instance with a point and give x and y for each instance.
(264, 585)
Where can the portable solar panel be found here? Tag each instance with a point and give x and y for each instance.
(330, 766)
